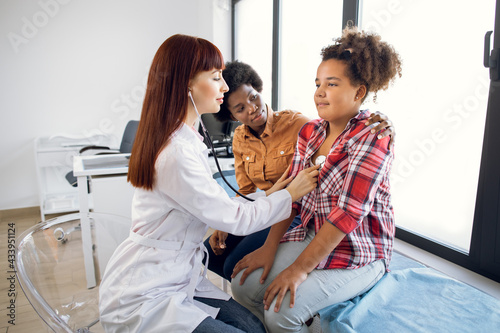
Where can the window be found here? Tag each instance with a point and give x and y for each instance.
(305, 30)
(253, 27)
(445, 176)
(439, 108)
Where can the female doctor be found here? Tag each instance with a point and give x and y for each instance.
(155, 282)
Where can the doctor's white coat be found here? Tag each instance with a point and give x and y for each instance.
(152, 277)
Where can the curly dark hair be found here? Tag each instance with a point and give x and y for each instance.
(237, 74)
(370, 61)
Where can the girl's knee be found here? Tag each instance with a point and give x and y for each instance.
(250, 288)
(282, 321)
(241, 292)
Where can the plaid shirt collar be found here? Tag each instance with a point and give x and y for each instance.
(320, 134)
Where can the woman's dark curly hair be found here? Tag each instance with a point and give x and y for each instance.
(370, 62)
(237, 74)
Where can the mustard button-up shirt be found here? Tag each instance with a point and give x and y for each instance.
(260, 161)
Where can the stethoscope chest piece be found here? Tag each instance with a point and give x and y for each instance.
(320, 160)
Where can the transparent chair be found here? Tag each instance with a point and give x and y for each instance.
(51, 271)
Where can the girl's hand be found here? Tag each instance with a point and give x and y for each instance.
(218, 242)
(288, 279)
(263, 257)
(385, 126)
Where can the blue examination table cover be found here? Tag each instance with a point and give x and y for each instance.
(415, 298)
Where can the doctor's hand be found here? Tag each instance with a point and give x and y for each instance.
(289, 279)
(263, 257)
(218, 242)
(305, 181)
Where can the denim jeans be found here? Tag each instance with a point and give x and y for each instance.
(232, 318)
(236, 248)
(321, 289)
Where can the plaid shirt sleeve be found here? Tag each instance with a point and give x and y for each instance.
(368, 163)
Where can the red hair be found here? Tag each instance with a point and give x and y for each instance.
(178, 60)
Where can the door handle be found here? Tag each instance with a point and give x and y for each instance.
(491, 60)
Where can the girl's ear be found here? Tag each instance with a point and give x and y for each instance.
(361, 92)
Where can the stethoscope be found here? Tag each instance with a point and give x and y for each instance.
(207, 138)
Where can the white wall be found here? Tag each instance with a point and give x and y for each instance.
(78, 67)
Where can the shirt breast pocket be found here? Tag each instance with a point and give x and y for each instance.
(249, 163)
(281, 158)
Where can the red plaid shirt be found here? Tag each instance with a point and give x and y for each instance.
(353, 193)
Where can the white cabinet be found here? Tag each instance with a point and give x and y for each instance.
(54, 159)
(112, 194)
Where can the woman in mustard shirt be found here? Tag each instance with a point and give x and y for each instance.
(263, 149)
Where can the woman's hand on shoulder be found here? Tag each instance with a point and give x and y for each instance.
(385, 126)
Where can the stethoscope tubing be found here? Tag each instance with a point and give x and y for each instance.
(206, 135)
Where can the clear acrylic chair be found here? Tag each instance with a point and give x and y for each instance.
(51, 271)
